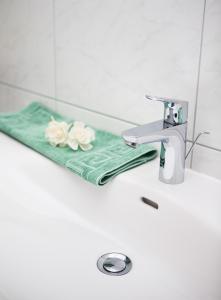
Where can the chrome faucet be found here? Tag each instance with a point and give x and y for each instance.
(171, 132)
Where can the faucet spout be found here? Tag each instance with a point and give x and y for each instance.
(148, 133)
(173, 147)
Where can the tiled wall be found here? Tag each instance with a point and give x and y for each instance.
(103, 56)
(208, 159)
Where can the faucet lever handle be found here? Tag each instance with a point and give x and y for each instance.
(175, 111)
(166, 100)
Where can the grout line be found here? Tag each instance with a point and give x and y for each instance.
(54, 52)
(67, 102)
(209, 147)
(198, 79)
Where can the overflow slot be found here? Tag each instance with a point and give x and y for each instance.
(150, 202)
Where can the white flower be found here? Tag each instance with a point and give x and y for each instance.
(57, 133)
(81, 136)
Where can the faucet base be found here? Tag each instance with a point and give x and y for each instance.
(172, 161)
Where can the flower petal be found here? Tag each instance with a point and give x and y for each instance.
(91, 133)
(78, 124)
(62, 145)
(73, 144)
(69, 126)
(86, 147)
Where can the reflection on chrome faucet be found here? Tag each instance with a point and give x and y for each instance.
(171, 132)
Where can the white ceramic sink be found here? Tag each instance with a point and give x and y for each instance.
(54, 227)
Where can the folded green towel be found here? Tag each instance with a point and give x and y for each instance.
(108, 158)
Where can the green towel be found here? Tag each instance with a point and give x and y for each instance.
(108, 157)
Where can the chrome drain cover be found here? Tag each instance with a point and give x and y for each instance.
(114, 264)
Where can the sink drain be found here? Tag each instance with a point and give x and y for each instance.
(114, 264)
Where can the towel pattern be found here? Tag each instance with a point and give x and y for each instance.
(108, 158)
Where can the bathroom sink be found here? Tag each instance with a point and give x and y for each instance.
(55, 226)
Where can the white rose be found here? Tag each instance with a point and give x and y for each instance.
(57, 133)
(81, 136)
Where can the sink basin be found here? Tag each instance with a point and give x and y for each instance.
(55, 226)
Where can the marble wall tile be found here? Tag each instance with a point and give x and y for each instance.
(110, 53)
(209, 99)
(26, 44)
(95, 120)
(208, 161)
(12, 100)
